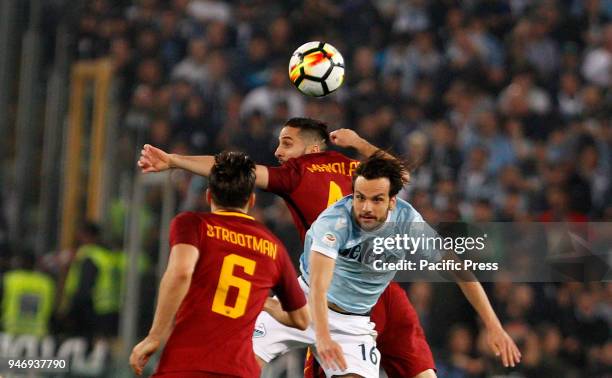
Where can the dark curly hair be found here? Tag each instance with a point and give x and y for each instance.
(232, 179)
(381, 165)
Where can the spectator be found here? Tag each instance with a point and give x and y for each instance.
(541, 50)
(258, 141)
(411, 17)
(90, 302)
(195, 127)
(459, 362)
(209, 10)
(172, 45)
(598, 62)
(28, 296)
(420, 59)
(474, 177)
(265, 98)
(193, 68)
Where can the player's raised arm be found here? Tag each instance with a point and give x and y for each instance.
(172, 290)
(347, 138)
(153, 159)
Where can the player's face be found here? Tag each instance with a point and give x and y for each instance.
(371, 202)
(290, 144)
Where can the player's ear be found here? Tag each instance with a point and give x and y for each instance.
(392, 202)
(252, 200)
(208, 197)
(313, 148)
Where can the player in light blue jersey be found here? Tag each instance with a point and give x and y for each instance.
(356, 283)
(343, 283)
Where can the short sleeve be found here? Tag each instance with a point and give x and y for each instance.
(287, 289)
(185, 229)
(329, 232)
(284, 179)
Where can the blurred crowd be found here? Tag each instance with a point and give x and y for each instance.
(499, 105)
(561, 330)
(503, 108)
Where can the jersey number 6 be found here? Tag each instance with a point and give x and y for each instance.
(227, 280)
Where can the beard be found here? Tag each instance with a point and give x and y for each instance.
(370, 222)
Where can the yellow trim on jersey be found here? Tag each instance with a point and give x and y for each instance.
(233, 213)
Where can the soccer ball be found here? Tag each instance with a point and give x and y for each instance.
(316, 69)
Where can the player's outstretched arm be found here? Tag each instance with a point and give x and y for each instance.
(153, 159)
(321, 274)
(498, 339)
(299, 318)
(172, 290)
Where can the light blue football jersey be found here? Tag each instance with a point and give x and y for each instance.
(356, 284)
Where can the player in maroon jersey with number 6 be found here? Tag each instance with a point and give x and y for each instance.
(222, 266)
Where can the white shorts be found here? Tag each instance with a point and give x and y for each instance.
(354, 333)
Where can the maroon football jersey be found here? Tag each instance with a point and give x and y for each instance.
(240, 261)
(311, 183)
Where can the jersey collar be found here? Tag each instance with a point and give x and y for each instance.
(233, 214)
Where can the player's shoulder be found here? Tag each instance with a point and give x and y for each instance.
(339, 209)
(187, 221)
(189, 217)
(343, 205)
(406, 212)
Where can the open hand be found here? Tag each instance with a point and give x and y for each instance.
(153, 159)
(330, 354)
(503, 346)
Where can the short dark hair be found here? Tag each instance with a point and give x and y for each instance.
(381, 165)
(232, 179)
(310, 128)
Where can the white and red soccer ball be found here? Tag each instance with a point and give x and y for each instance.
(316, 69)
